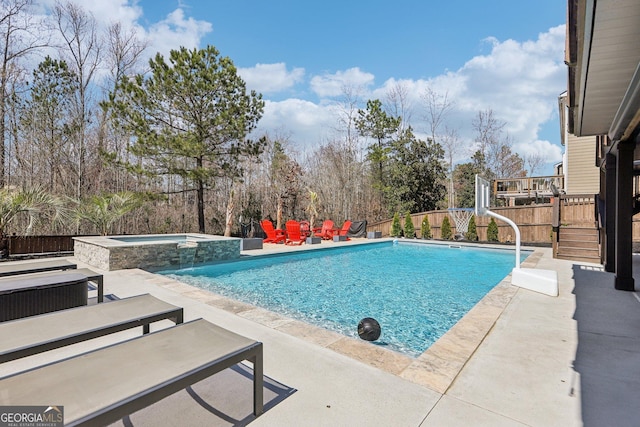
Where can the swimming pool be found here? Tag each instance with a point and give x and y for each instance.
(415, 291)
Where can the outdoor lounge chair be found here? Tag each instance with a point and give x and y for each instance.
(305, 229)
(102, 386)
(32, 294)
(92, 276)
(342, 231)
(273, 235)
(294, 236)
(36, 334)
(326, 231)
(15, 269)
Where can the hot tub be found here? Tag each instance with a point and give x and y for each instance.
(154, 251)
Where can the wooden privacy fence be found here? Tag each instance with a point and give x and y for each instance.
(22, 245)
(534, 221)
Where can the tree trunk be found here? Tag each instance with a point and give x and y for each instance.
(200, 193)
(229, 216)
(279, 213)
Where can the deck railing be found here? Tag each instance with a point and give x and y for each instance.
(537, 186)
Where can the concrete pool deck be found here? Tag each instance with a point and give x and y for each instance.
(519, 359)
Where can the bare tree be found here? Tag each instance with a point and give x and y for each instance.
(16, 87)
(122, 57)
(398, 103)
(346, 112)
(488, 137)
(82, 49)
(450, 142)
(20, 34)
(508, 164)
(533, 161)
(437, 108)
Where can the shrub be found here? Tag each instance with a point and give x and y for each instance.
(425, 228)
(492, 231)
(445, 229)
(409, 229)
(396, 230)
(472, 232)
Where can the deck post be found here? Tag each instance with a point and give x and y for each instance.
(623, 217)
(610, 213)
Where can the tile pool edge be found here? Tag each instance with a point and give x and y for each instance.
(436, 368)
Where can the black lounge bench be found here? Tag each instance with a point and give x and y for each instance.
(15, 269)
(147, 369)
(36, 334)
(91, 276)
(32, 294)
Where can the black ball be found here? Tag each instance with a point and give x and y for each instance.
(369, 329)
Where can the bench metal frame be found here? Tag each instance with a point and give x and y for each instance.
(197, 349)
(129, 319)
(35, 267)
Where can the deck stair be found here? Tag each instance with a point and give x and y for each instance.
(578, 244)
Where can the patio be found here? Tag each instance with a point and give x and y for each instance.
(543, 361)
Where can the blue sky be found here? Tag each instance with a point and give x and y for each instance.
(502, 55)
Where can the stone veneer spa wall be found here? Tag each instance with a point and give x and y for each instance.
(154, 252)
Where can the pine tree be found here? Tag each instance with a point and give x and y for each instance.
(492, 231)
(425, 228)
(396, 230)
(409, 229)
(190, 118)
(445, 229)
(472, 232)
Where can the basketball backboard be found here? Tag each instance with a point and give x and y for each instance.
(483, 195)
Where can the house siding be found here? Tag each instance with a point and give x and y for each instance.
(582, 175)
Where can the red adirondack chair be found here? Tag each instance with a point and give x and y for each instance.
(342, 231)
(273, 235)
(325, 231)
(294, 236)
(305, 229)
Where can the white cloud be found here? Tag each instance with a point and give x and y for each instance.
(519, 81)
(126, 12)
(175, 31)
(270, 78)
(308, 122)
(330, 85)
(551, 152)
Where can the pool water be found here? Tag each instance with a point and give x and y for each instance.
(417, 292)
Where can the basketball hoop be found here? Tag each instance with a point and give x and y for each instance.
(461, 217)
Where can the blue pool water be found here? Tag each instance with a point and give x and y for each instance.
(415, 291)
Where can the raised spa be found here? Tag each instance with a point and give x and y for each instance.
(154, 251)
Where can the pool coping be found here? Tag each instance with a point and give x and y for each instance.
(436, 368)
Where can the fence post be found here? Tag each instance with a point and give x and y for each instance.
(555, 223)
